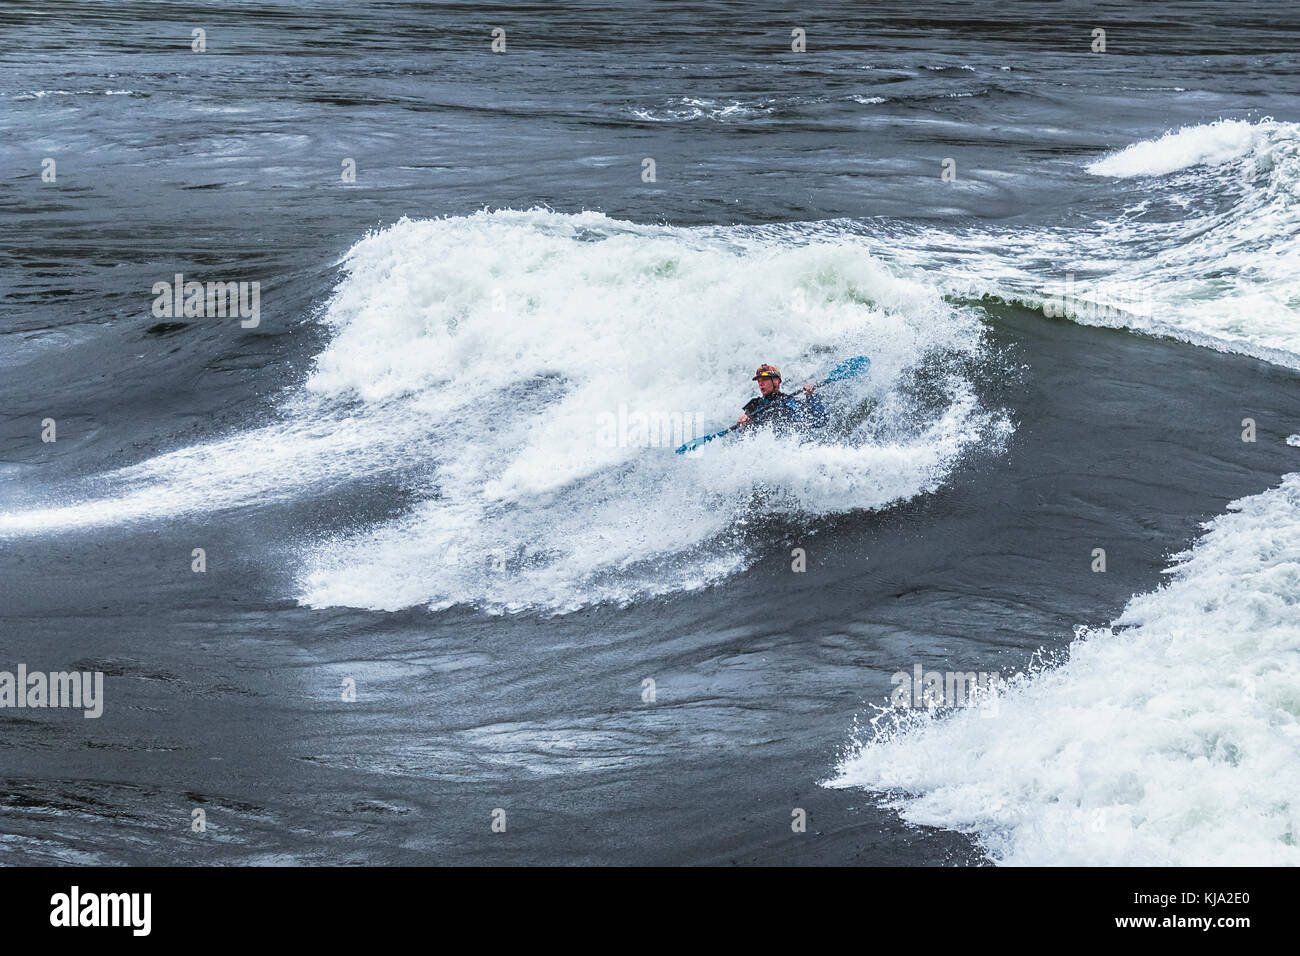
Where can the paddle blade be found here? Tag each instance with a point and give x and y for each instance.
(853, 367)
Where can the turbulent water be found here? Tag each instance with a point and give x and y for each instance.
(429, 468)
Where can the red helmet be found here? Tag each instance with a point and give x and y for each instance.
(767, 371)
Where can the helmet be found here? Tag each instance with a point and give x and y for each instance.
(766, 371)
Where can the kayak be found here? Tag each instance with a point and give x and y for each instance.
(859, 365)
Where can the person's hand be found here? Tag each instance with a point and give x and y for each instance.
(742, 420)
(809, 389)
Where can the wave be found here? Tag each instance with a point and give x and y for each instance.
(1206, 248)
(689, 108)
(1168, 738)
(1210, 145)
(494, 363)
(40, 94)
(537, 328)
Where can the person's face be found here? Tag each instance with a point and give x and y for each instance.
(768, 385)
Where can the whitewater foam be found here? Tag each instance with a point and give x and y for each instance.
(688, 108)
(480, 358)
(549, 322)
(1168, 738)
(1212, 144)
(1207, 250)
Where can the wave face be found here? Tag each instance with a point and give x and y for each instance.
(1169, 738)
(1206, 248)
(527, 374)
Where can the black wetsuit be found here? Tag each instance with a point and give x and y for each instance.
(783, 409)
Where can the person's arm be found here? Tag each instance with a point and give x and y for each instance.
(814, 411)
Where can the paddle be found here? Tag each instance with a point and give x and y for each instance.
(848, 369)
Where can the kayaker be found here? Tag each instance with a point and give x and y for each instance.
(773, 402)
